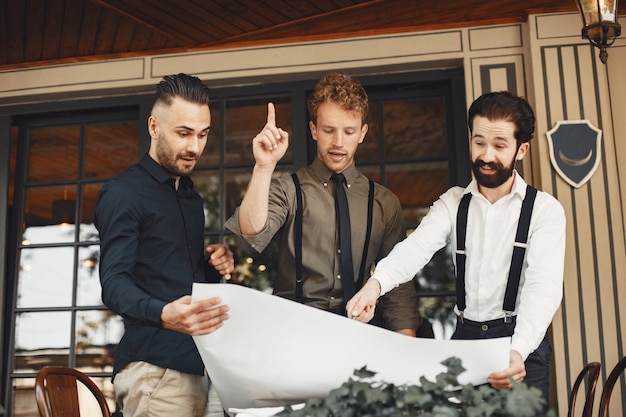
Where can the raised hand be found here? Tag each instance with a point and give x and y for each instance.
(271, 143)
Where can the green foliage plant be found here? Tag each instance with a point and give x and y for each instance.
(362, 396)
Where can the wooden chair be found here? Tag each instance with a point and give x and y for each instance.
(608, 386)
(56, 390)
(590, 373)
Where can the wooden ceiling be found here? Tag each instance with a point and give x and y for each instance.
(46, 32)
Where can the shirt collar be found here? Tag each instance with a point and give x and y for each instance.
(519, 185)
(323, 173)
(160, 174)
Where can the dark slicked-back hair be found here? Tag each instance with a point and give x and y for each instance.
(185, 86)
(340, 89)
(503, 105)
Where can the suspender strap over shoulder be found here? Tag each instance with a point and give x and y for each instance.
(519, 249)
(461, 228)
(368, 235)
(297, 241)
(517, 259)
(297, 231)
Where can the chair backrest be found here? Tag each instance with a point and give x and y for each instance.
(590, 373)
(56, 391)
(608, 386)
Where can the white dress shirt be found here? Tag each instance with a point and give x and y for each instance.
(491, 232)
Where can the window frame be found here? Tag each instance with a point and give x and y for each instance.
(303, 153)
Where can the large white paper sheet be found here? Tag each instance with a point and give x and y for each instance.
(272, 351)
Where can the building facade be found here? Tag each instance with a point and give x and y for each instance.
(543, 59)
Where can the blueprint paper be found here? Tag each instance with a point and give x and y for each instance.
(272, 351)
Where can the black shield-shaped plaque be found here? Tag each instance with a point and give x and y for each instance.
(575, 150)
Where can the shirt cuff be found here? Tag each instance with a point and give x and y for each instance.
(155, 307)
(255, 243)
(521, 345)
(385, 285)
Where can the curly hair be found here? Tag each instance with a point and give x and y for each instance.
(502, 105)
(340, 89)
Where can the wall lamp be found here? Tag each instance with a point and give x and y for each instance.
(599, 23)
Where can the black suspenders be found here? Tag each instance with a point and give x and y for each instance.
(297, 231)
(519, 249)
(461, 227)
(297, 238)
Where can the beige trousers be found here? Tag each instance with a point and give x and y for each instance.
(146, 390)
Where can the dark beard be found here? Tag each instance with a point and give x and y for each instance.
(167, 159)
(495, 180)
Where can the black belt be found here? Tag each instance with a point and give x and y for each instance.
(488, 323)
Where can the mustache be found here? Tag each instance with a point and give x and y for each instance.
(492, 165)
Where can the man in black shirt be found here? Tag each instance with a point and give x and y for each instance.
(151, 224)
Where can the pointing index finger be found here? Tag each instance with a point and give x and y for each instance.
(271, 114)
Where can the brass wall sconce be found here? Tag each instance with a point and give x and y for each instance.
(599, 23)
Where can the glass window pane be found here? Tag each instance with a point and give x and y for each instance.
(110, 148)
(438, 275)
(24, 403)
(41, 339)
(369, 149)
(87, 230)
(88, 405)
(53, 153)
(417, 186)
(97, 334)
(439, 314)
(211, 154)
(244, 119)
(207, 183)
(372, 172)
(45, 277)
(54, 205)
(211, 240)
(253, 269)
(88, 289)
(236, 184)
(415, 129)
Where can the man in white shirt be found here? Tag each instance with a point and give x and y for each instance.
(500, 127)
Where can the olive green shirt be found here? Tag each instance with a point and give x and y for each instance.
(321, 264)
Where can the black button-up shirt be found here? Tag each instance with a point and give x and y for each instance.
(151, 251)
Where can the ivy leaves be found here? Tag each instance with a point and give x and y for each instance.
(362, 396)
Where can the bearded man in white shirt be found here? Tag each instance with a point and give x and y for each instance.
(491, 300)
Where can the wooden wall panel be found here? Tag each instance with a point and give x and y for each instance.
(571, 84)
(616, 183)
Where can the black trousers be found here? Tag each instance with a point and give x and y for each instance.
(538, 362)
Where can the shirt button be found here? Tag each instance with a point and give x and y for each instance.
(484, 327)
(338, 276)
(332, 298)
